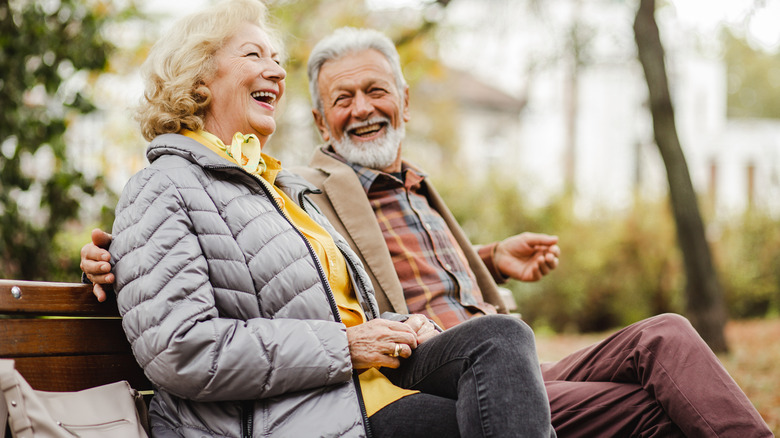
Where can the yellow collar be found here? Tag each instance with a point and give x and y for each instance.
(245, 146)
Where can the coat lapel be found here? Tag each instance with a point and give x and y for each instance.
(351, 205)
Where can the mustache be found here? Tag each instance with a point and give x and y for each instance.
(372, 121)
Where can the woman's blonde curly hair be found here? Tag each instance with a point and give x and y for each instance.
(179, 64)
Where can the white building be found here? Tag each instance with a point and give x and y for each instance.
(608, 135)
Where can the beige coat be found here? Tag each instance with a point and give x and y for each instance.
(345, 204)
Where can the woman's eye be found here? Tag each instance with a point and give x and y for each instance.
(255, 54)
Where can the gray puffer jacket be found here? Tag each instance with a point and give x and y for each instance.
(226, 305)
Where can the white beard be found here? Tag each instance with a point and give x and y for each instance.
(375, 154)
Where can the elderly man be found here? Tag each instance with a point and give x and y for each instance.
(656, 377)
(653, 378)
(418, 256)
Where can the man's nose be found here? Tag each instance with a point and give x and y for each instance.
(362, 107)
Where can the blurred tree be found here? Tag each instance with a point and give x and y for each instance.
(49, 50)
(704, 298)
(577, 43)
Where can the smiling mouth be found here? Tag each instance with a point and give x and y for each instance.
(368, 130)
(264, 97)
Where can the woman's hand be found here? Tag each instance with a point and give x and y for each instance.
(373, 343)
(422, 326)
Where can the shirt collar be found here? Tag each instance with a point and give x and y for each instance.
(375, 179)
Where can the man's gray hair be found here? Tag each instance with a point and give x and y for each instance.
(345, 41)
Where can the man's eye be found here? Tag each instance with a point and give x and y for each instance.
(255, 54)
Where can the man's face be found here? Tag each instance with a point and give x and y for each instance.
(363, 110)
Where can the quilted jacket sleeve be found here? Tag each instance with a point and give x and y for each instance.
(169, 313)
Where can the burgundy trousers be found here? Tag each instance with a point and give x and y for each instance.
(655, 378)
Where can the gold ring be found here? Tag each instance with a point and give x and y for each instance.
(397, 351)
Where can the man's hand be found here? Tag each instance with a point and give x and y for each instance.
(95, 263)
(373, 343)
(422, 326)
(527, 256)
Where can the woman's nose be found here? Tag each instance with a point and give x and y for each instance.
(274, 72)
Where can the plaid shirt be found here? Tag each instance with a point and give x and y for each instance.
(430, 264)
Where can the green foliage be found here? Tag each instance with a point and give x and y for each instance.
(749, 256)
(46, 49)
(754, 80)
(616, 268)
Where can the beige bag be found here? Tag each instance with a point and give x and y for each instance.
(115, 410)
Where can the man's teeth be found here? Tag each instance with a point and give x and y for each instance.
(366, 129)
(265, 96)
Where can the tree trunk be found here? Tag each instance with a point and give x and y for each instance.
(704, 298)
(576, 44)
(571, 111)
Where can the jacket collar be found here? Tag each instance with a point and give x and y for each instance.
(191, 150)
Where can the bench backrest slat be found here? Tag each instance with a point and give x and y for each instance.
(63, 339)
(49, 298)
(54, 337)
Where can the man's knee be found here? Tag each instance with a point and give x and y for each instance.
(672, 319)
(671, 323)
(670, 329)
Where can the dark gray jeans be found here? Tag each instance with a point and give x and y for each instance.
(478, 379)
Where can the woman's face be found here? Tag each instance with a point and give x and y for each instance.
(246, 87)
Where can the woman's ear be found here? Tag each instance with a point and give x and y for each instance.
(201, 93)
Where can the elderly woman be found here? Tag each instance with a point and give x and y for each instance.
(248, 312)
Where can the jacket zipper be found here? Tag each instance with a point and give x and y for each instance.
(331, 301)
(247, 420)
(362, 288)
(355, 377)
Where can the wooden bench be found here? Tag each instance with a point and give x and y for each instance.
(63, 339)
